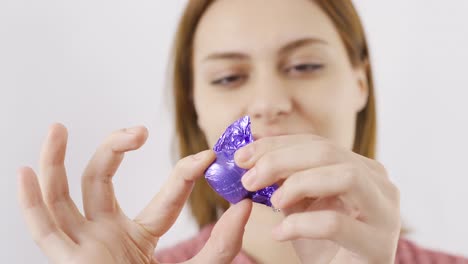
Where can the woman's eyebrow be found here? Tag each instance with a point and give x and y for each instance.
(300, 43)
(283, 50)
(227, 55)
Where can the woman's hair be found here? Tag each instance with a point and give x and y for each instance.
(205, 204)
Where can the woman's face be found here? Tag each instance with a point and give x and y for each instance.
(280, 62)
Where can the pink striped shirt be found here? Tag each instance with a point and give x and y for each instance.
(407, 252)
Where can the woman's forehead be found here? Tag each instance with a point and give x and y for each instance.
(252, 26)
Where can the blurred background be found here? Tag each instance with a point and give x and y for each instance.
(97, 66)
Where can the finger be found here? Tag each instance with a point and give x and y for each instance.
(225, 240)
(331, 225)
(54, 183)
(341, 179)
(279, 164)
(165, 207)
(378, 169)
(246, 156)
(380, 176)
(344, 180)
(96, 184)
(55, 244)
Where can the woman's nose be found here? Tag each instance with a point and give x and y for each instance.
(270, 101)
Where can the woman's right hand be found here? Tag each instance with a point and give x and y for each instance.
(104, 234)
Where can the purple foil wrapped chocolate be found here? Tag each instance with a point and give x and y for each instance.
(224, 176)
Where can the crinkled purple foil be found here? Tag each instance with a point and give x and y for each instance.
(224, 176)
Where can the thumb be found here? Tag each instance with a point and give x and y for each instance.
(225, 240)
(163, 210)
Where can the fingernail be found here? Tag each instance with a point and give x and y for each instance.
(249, 178)
(245, 153)
(200, 155)
(132, 130)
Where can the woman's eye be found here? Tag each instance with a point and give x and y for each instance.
(305, 68)
(229, 80)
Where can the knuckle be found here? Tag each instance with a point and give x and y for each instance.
(394, 192)
(183, 165)
(379, 165)
(350, 177)
(186, 168)
(221, 249)
(53, 198)
(56, 160)
(381, 168)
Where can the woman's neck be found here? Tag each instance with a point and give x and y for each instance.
(258, 241)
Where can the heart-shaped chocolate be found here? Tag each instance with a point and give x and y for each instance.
(224, 176)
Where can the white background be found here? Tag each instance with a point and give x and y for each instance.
(97, 66)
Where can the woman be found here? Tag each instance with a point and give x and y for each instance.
(300, 69)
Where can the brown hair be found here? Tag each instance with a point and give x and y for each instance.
(205, 204)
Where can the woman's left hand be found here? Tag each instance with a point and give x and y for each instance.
(329, 195)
